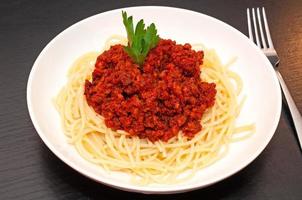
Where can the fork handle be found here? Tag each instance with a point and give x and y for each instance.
(296, 116)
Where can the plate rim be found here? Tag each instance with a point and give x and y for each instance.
(134, 188)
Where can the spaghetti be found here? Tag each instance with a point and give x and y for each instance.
(147, 162)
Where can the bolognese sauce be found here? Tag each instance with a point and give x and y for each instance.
(156, 100)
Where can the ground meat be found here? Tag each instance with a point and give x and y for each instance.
(153, 101)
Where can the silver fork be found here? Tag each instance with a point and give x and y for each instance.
(271, 54)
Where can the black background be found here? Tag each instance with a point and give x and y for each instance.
(28, 170)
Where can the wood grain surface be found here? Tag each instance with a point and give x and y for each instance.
(29, 170)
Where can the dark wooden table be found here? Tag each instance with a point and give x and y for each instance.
(29, 170)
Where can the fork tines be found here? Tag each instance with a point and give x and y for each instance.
(255, 22)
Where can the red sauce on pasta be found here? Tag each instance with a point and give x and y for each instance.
(155, 101)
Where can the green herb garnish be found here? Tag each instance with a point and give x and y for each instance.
(140, 41)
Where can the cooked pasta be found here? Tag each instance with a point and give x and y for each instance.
(146, 161)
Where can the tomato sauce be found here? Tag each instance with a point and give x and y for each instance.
(156, 100)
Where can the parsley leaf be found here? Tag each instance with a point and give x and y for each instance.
(140, 40)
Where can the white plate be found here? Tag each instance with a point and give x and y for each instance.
(263, 105)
